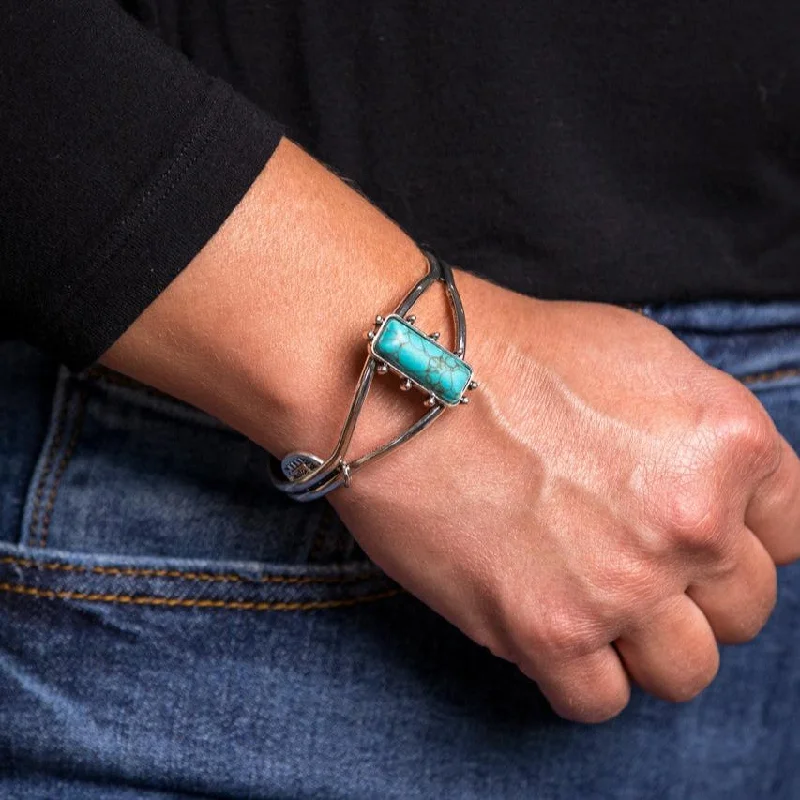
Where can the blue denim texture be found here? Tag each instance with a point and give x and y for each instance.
(171, 627)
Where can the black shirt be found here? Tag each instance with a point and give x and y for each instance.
(618, 151)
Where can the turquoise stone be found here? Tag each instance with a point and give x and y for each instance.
(421, 360)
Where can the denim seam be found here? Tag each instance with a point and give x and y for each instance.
(322, 537)
(208, 577)
(59, 425)
(77, 427)
(183, 602)
(771, 375)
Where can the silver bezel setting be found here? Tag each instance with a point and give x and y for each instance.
(396, 371)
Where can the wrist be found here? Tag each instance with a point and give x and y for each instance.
(263, 328)
(317, 419)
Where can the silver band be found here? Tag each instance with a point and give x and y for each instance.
(304, 476)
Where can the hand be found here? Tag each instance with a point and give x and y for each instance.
(607, 506)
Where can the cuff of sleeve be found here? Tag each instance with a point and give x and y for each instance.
(165, 225)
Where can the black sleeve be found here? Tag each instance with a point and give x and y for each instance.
(118, 161)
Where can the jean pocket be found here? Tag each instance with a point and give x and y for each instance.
(127, 471)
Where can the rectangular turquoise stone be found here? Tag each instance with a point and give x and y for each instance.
(422, 360)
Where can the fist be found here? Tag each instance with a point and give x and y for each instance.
(607, 508)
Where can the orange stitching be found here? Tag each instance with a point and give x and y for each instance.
(183, 602)
(61, 469)
(187, 576)
(55, 444)
(774, 375)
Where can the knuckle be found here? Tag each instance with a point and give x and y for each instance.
(626, 593)
(742, 429)
(695, 516)
(556, 634)
(623, 581)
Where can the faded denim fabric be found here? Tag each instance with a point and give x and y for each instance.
(172, 627)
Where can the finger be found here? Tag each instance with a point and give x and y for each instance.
(773, 513)
(738, 603)
(590, 688)
(676, 655)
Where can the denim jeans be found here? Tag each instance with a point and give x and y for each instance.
(172, 627)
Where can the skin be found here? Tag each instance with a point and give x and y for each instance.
(607, 509)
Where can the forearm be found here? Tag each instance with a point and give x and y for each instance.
(119, 158)
(262, 328)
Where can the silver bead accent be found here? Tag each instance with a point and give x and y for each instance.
(370, 335)
(473, 385)
(435, 336)
(464, 400)
(405, 386)
(379, 320)
(382, 369)
(411, 319)
(430, 402)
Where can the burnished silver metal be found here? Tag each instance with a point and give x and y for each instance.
(304, 476)
(435, 336)
(346, 473)
(472, 385)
